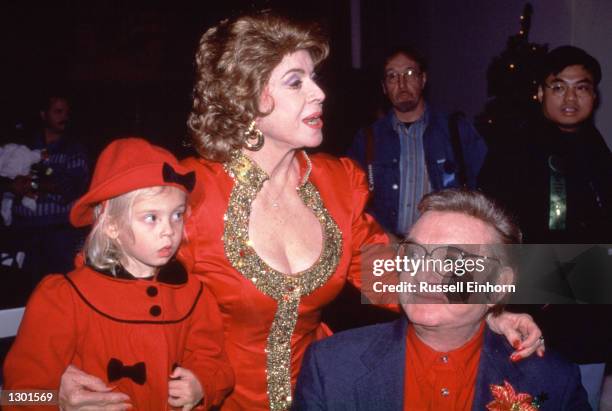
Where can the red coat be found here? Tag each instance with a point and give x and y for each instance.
(248, 313)
(88, 318)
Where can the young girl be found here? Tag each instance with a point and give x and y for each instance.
(128, 314)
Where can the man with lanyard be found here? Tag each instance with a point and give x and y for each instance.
(555, 175)
(414, 149)
(555, 172)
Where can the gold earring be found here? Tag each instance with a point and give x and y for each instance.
(253, 133)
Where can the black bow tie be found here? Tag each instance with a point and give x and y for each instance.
(171, 176)
(116, 370)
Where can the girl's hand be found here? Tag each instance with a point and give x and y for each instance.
(184, 389)
(81, 391)
(521, 332)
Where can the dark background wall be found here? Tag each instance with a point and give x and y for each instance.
(129, 64)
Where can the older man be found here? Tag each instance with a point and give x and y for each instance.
(444, 357)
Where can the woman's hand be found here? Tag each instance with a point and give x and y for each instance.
(81, 391)
(184, 389)
(521, 332)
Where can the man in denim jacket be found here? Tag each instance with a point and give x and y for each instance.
(414, 149)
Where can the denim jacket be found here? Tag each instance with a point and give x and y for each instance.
(439, 157)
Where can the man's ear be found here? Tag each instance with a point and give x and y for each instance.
(423, 79)
(43, 115)
(384, 88)
(505, 277)
(540, 93)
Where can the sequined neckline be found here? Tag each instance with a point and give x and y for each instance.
(286, 290)
(246, 171)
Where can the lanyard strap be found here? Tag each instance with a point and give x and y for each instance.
(557, 195)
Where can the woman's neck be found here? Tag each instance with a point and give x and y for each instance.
(280, 166)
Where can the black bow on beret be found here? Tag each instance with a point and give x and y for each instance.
(116, 370)
(171, 176)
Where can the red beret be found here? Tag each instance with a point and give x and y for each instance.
(126, 165)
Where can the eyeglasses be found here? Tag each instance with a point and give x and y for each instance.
(443, 260)
(560, 88)
(410, 74)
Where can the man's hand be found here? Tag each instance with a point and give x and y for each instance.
(184, 389)
(80, 391)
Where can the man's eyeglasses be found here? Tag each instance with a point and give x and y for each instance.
(409, 75)
(560, 88)
(444, 259)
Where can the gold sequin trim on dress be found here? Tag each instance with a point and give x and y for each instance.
(286, 290)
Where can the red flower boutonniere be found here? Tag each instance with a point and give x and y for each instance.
(506, 399)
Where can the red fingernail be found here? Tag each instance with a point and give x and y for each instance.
(516, 344)
(540, 354)
(515, 358)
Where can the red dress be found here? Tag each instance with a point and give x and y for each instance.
(269, 318)
(98, 323)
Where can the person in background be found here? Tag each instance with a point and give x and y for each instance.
(555, 175)
(555, 172)
(414, 149)
(44, 232)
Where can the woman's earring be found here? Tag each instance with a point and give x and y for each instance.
(253, 133)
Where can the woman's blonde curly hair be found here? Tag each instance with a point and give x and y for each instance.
(234, 62)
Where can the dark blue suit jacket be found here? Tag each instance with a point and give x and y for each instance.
(363, 369)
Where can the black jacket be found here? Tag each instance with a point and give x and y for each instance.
(517, 172)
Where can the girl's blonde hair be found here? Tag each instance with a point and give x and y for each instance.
(102, 251)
